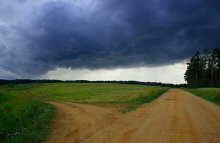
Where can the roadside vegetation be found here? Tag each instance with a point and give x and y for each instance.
(141, 99)
(23, 119)
(210, 94)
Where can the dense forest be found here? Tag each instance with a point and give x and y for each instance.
(204, 69)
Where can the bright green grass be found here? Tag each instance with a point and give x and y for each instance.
(23, 120)
(210, 94)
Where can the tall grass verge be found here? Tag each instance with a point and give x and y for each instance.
(23, 119)
(143, 98)
(210, 94)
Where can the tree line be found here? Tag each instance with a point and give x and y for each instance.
(203, 70)
(29, 81)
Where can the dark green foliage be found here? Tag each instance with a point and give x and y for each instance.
(23, 119)
(204, 69)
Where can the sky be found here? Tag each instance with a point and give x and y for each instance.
(144, 40)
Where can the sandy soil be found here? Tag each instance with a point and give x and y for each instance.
(176, 117)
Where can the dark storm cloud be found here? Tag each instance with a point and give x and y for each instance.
(36, 37)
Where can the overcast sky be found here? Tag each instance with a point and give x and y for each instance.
(147, 40)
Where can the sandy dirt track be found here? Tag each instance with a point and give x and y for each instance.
(175, 117)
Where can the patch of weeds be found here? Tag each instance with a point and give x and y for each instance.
(128, 108)
(141, 99)
(148, 98)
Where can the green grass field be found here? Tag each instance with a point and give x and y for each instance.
(210, 94)
(85, 92)
(24, 117)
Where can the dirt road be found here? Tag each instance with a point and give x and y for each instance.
(176, 117)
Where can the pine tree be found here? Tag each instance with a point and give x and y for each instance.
(193, 75)
(216, 66)
(204, 70)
